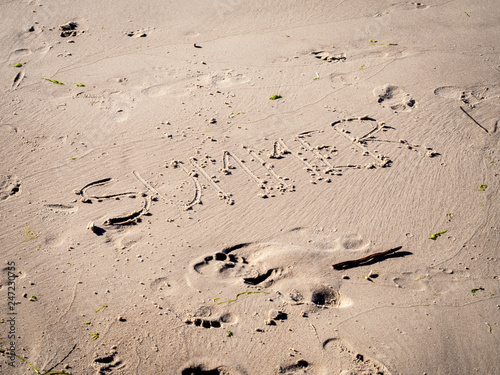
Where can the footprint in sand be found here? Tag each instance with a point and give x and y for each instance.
(9, 186)
(480, 101)
(222, 320)
(327, 56)
(347, 361)
(390, 96)
(118, 104)
(107, 363)
(204, 369)
(141, 33)
(299, 272)
(300, 366)
(62, 208)
(403, 7)
(469, 96)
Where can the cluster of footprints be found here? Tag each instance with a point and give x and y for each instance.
(343, 360)
(357, 138)
(286, 266)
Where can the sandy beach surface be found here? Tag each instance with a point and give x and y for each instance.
(177, 179)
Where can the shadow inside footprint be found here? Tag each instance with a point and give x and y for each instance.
(294, 368)
(325, 296)
(260, 278)
(107, 363)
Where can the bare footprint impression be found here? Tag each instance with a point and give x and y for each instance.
(285, 265)
(479, 101)
(294, 269)
(393, 97)
(9, 186)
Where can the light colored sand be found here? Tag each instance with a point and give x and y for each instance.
(173, 132)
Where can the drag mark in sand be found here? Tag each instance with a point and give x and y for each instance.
(472, 118)
(49, 372)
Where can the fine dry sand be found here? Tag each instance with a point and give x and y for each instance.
(161, 215)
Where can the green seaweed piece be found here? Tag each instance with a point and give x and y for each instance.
(275, 96)
(436, 235)
(489, 327)
(28, 234)
(2, 321)
(86, 323)
(33, 298)
(18, 65)
(239, 294)
(100, 308)
(473, 291)
(54, 81)
(373, 41)
(483, 187)
(450, 215)
(80, 85)
(467, 14)
(95, 336)
(421, 277)
(362, 66)
(229, 333)
(73, 158)
(232, 114)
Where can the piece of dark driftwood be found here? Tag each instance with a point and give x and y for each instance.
(472, 118)
(360, 261)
